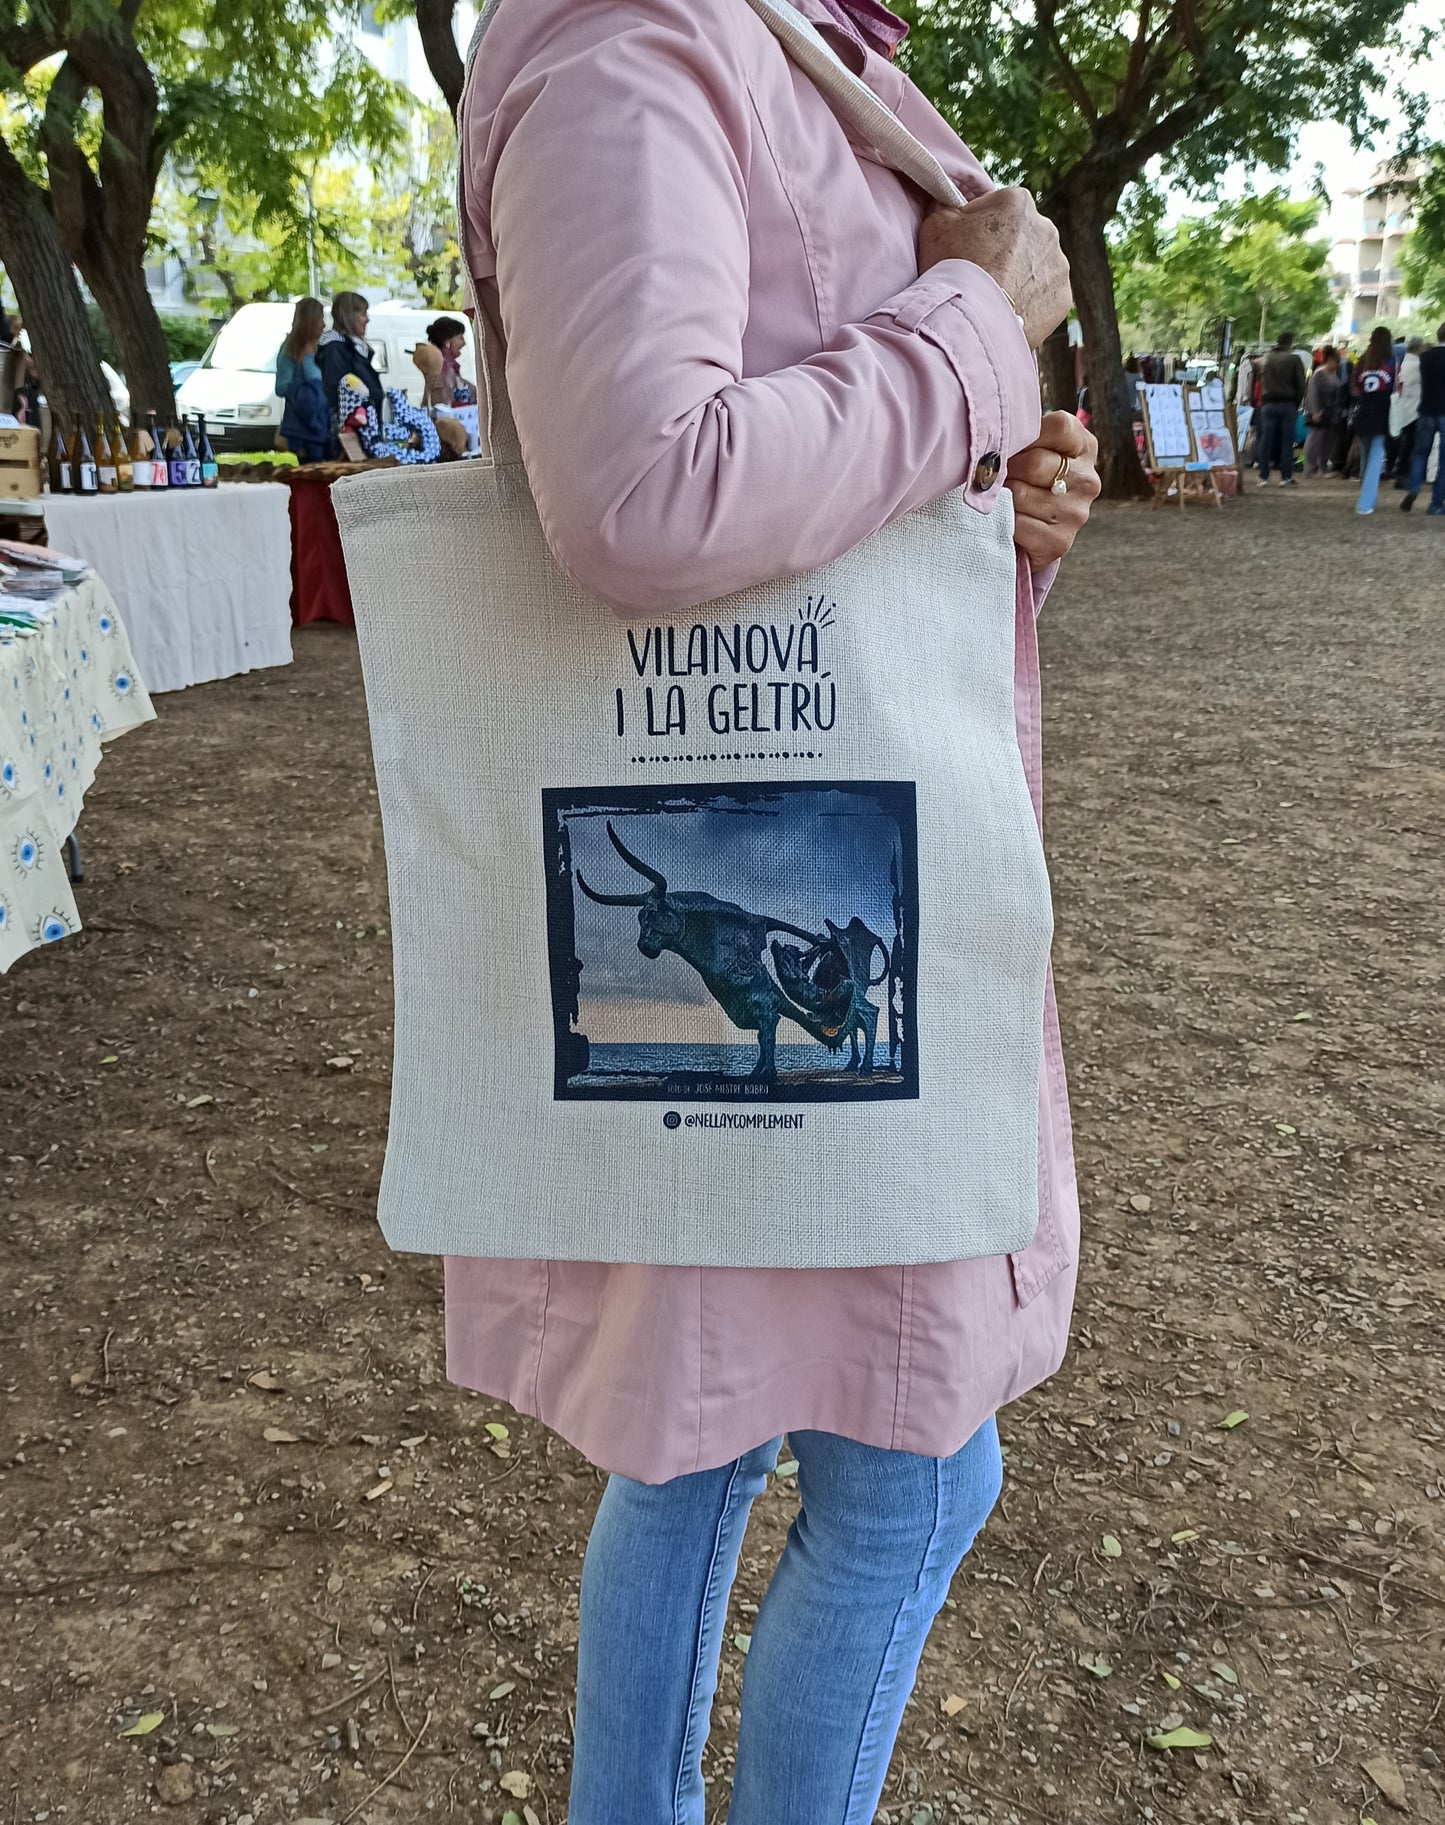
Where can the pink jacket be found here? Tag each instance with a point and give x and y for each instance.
(724, 368)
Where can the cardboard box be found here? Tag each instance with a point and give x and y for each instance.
(19, 462)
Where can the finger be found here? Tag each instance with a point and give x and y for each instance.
(1036, 466)
(1041, 544)
(1043, 504)
(1062, 432)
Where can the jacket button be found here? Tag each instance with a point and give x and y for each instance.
(985, 472)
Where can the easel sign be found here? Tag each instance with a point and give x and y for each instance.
(1174, 459)
(1208, 421)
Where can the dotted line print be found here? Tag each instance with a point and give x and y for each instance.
(802, 754)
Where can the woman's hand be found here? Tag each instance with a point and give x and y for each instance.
(1004, 233)
(1046, 524)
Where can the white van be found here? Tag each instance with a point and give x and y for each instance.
(235, 385)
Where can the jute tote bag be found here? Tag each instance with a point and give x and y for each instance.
(720, 939)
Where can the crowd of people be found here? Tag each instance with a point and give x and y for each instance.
(1378, 415)
(328, 382)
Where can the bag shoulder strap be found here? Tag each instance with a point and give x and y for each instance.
(850, 98)
(855, 104)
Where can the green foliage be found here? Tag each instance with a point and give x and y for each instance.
(1423, 258)
(1064, 94)
(1256, 260)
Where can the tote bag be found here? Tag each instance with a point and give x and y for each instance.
(719, 940)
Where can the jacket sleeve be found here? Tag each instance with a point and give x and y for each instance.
(663, 475)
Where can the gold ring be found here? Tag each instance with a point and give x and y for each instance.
(1060, 483)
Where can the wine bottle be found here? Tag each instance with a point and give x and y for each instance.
(124, 473)
(83, 462)
(160, 469)
(175, 458)
(140, 459)
(193, 459)
(59, 462)
(210, 469)
(104, 457)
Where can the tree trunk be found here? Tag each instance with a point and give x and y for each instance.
(49, 298)
(1080, 222)
(120, 290)
(435, 22)
(1056, 369)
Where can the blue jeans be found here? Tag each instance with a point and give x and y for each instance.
(835, 1646)
(1372, 460)
(1428, 426)
(1275, 438)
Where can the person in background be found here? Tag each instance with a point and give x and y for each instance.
(1373, 384)
(1345, 414)
(1281, 388)
(305, 421)
(449, 334)
(343, 350)
(1404, 410)
(1133, 386)
(1429, 424)
(1321, 406)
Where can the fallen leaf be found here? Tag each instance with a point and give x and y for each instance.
(197, 1101)
(1169, 1680)
(1180, 1739)
(265, 1381)
(1231, 1420)
(505, 1690)
(519, 1785)
(1097, 1665)
(742, 1643)
(1226, 1673)
(496, 1429)
(342, 1062)
(788, 1469)
(530, 1816)
(1141, 1201)
(380, 1489)
(511, 1818)
(410, 1444)
(1302, 1017)
(953, 1704)
(498, 1449)
(110, 1059)
(1386, 1775)
(223, 1730)
(277, 1435)
(144, 1725)
(1184, 1536)
(1112, 1548)
(1285, 1128)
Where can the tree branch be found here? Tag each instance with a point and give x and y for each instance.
(1127, 94)
(434, 19)
(1073, 82)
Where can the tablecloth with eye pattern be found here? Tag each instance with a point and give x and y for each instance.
(67, 686)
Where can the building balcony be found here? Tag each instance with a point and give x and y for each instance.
(1369, 276)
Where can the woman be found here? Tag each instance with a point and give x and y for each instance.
(447, 388)
(1373, 383)
(305, 420)
(344, 351)
(735, 348)
(1321, 407)
(1405, 409)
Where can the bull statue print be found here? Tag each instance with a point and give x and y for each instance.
(726, 945)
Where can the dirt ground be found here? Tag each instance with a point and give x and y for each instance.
(236, 1489)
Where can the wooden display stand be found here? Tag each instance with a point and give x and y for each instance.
(1175, 463)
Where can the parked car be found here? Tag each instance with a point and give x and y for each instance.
(182, 370)
(235, 383)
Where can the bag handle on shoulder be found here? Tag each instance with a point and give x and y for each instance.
(851, 100)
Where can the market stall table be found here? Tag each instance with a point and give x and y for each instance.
(66, 686)
(202, 577)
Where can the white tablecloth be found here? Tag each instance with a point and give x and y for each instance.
(202, 578)
(65, 687)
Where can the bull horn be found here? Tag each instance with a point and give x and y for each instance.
(659, 881)
(611, 899)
